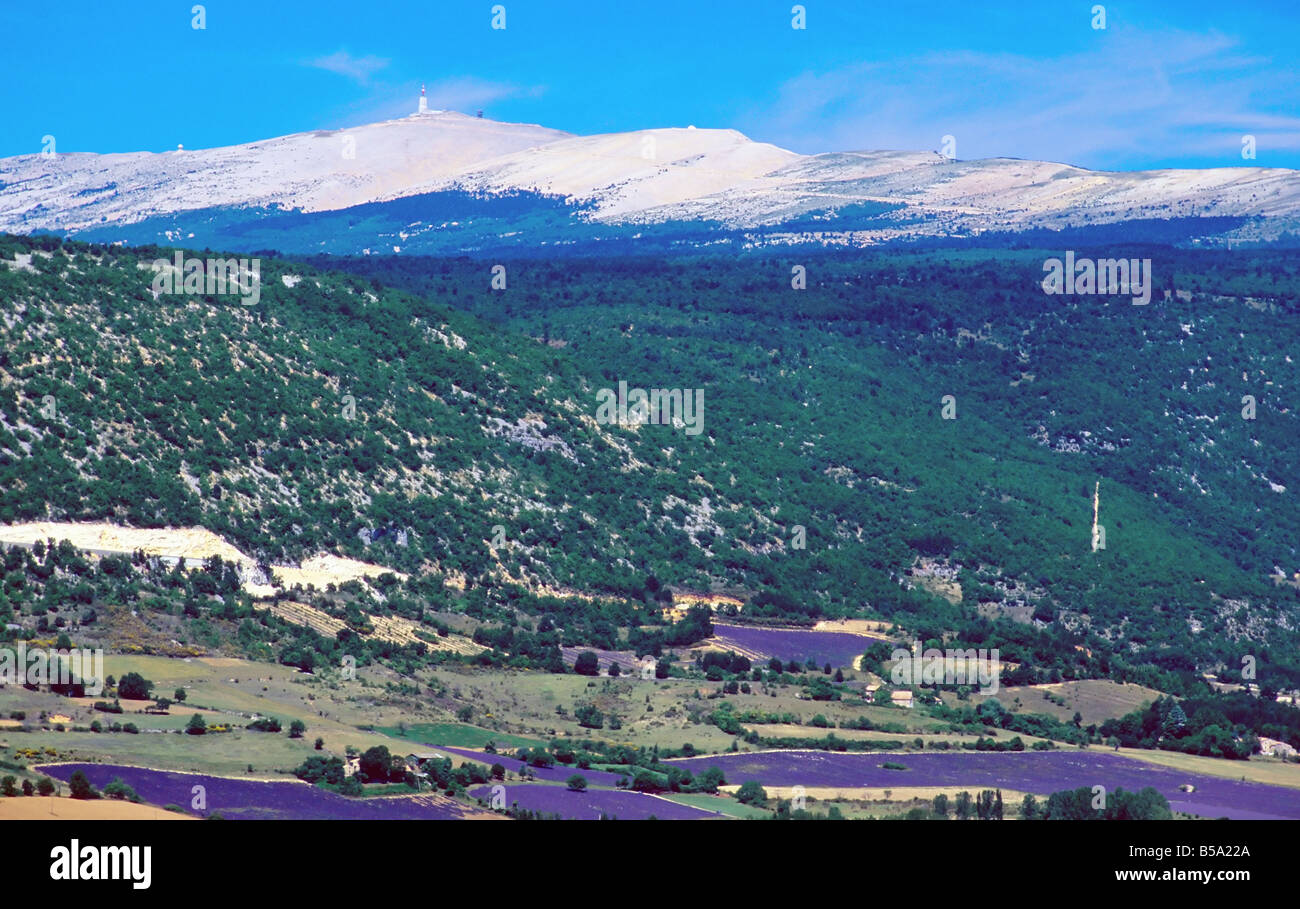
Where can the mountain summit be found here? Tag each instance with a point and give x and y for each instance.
(682, 178)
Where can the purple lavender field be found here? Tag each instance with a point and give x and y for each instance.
(237, 799)
(589, 805)
(557, 774)
(839, 648)
(1041, 773)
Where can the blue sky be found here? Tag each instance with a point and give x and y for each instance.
(1164, 84)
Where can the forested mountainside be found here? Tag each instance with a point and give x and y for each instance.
(450, 431)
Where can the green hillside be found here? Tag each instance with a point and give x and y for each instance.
(475, 408)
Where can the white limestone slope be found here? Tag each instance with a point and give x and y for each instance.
(627, 173)
(312, 171)
(635, 177)
(997, 193)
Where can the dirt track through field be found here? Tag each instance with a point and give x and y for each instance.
(42, 808)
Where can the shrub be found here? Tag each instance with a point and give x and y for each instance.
(79, 787)
(751, 793)
(118, 789)
(321, 769)
(134, 687)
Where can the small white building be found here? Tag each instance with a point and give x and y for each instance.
(901, 698)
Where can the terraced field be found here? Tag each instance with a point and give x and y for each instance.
(388, 628)
(308, 616)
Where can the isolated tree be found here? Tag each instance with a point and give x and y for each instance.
(709, 780)
(79, 787)
(576, 783)
(45, 786)
(751, 792)
(296, 729)
(118, 789)
(587, 663)
(589, 716)
(178, 695)
(196, 725)
(134, 687)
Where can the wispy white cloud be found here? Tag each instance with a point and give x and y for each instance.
(1138, 97)
(461, 93)
(465, 92)
(341, 62)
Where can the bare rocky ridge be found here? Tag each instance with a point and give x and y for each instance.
(640, 177)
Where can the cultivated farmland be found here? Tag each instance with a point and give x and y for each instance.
(259, 800)
(1041, 773)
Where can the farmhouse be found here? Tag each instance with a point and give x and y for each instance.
(415, 761)
(901, 698)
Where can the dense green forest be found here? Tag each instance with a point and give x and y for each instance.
(829, 401)
(407, 413)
